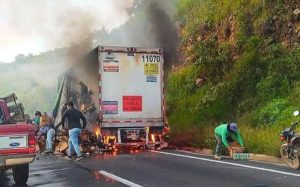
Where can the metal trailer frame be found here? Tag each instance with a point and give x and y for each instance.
(132, 123)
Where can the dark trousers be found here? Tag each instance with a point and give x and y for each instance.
(219, 143)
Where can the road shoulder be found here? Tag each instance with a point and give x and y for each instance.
(253, 157)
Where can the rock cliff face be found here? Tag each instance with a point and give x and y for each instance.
(281, 23)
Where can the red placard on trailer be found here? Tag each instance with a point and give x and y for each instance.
(132, 104)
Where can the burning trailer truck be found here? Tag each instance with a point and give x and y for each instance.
(126, 108)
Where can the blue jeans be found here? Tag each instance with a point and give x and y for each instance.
(50, 137)
(73, 141)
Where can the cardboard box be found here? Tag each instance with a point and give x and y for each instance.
(45, 120)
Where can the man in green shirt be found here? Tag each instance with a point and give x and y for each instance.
(226, 132)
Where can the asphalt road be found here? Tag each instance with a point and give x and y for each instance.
(164, 168)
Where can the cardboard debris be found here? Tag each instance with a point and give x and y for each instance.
(61, 147)
(88, 142)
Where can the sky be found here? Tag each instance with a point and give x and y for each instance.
(34, 26)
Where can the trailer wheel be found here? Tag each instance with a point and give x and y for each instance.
(20, 174)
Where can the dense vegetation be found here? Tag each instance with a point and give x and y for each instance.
(247, 55)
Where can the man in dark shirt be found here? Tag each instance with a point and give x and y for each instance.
(74, 127)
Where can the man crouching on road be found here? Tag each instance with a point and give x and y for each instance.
(225, 133)
(74, 127)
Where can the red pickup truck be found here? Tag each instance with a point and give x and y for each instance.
(17, 143)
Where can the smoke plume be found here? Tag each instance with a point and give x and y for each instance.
(33, 26)
(79, 29)
(164, 30)
(151, 24)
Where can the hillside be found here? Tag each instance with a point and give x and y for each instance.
(241, 62)
(34, 79)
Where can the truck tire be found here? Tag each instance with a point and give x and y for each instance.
(20, 174)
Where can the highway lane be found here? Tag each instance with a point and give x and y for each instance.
(183, 169)
(51, 171)
(162, 168)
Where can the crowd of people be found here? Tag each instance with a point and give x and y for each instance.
(44, 123)
(45, 128)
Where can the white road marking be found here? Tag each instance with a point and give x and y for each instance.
(200, 154)
(119, 179)
(229, 163)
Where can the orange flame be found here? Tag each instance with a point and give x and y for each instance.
(97, 132)
(152, 137)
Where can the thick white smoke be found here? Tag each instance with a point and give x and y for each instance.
(32, 26)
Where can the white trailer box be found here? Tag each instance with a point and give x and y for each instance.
(131, 97)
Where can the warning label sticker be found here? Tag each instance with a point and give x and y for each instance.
(151, 68)
(110, 107)
(151, 78)
(132, 103)
(110, 65)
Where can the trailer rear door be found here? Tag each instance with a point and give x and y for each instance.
(131, 86)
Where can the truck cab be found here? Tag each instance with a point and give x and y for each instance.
(17, 140)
